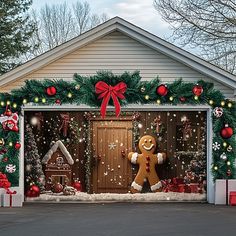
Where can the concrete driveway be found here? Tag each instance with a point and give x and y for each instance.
(118, 219)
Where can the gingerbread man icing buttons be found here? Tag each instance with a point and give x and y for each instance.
(146, 161)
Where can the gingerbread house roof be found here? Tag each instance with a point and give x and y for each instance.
(54, 148)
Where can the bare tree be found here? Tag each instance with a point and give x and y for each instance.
(59, 23)
(208, 25)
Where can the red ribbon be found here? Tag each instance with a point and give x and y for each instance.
(65, 123)
(106, 92)
(11, 193)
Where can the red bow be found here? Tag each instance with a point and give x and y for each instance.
(106, 91)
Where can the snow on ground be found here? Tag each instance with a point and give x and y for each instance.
(115, 197)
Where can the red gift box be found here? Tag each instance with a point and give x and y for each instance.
(232, 198)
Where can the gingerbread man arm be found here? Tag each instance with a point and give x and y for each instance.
(133, 157)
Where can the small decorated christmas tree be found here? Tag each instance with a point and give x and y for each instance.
(33, 167)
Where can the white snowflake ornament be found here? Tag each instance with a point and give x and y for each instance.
(10, 168)
(216, 146)
(218, 112)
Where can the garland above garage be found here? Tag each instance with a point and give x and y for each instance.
(104, 89)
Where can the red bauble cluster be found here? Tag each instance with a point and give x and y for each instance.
(182, 99)
(58, 101)
(197, 90)
(162, 90)
(51, 91)
(226, 132)
(34, 191)
(77, 185)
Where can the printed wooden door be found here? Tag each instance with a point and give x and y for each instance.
(112, 140)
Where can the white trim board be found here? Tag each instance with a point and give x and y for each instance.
(138, 34)
(210, 183)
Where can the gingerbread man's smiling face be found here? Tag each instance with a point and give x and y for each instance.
(147, 144)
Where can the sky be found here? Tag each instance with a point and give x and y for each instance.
(138, 12)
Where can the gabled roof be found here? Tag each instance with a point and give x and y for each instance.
(138, 34)
(53, 149)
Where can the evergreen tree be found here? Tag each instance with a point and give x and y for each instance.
(16, 29)
(33, 167)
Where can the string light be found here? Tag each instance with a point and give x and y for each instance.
(36, 99)
(230, 105)
(8, 102)
(43, 100)
(14, 105)
(2, 103)
(228, 163)
(215, 168)
(171, 98)
(222, 103)
(24, 101)
(225, 144)
(69, 95)
(211, 102)
(158, 101)
(147, 97)
(195, 97)
(10, 144)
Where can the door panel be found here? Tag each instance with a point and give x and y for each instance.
(112, 140)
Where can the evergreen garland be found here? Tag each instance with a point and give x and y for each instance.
(82, 91)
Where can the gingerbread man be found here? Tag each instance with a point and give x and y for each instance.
(147, 161)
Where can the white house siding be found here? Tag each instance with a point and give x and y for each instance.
(118, 53)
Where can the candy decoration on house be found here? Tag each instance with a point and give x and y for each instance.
(218, 112)
(226, 132)
(10, 122)
(65, 123)
(33, 168)
(162, 90)
(146, 161)
(187, 129)
(105, 92)
(58, 165)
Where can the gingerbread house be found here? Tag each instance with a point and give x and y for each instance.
(58, 165)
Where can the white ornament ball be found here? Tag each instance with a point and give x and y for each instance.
(223, 156)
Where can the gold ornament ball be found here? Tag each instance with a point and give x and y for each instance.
(215, 168)
(69, 95)
(228, 163)
(8, 102)
(10, 144)
(230, 105)
(195, 97)
(2, 104)
(147, 97)
(211, 102)
(43, 100)
(222, 103)
(14, 105)
(171, 98)
(77, 87)
(225, 144)
(24, 101)
(158, 101)
(143, 89)
(36, 99)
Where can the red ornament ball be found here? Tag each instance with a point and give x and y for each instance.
(57, 188)
(34, 191)
(228, 172)
(17, 145)
(182, 99)
(77, 185)
(226, 132)
(162, 90)
(8, 112)
(51, 91)
(58, 101)
(197, 90)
